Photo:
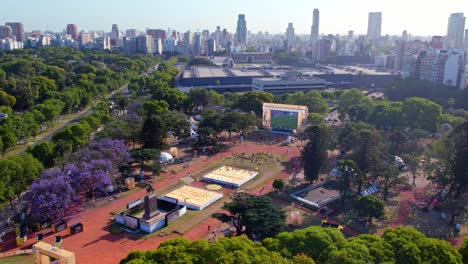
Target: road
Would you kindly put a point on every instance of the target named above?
(48, 135)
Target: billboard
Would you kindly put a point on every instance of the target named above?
(284, 119)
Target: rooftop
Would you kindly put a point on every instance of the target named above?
(296, 107)
(193, 196)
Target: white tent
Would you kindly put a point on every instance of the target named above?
(166, 157)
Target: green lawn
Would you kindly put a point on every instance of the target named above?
(284, 121)
(23, 259)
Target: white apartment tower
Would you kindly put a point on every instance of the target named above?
(314, 34)
(374, 26)
(290, 33)
(455, 31)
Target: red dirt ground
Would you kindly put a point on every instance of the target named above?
(97, 245)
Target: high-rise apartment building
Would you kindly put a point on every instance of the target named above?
(115, 33)
(102, 43)
(131, 33)
(441, 67)
(5, 32)
(455, 31)
(466, 43)
(17, 30)
(374, 26)
(157, 33)
(290, 37)
(314, 33)
(197, 44)
(84, 39)
(72, 30)
(241, 32)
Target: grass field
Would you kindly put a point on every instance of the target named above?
(23, 259)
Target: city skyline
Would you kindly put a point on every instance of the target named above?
(261, 15)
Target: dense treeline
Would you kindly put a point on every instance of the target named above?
(311, 245)
(37, 86)
(443, 95)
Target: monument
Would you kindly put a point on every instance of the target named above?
(151, 206)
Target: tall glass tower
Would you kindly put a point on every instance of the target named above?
(241, 33)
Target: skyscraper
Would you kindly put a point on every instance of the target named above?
(72, 30)
(290, 33)
(466, 42)
(241, 33)
(314, 34)
(17, 30)
(5, 32)
(115, 33)
(374, 26)
(455, 31)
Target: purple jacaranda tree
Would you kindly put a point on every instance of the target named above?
(113, 150)
(52, 196)
(93, 177)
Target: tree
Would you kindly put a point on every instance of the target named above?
(422, 113)
(212, 119)
(225, 250)
(391, 178)
(412, 163)
(6, 99)
(314, 154)
(371, 207)
(457, 146)
(253, 102)
(52, 195)
(29, 169)
(315, 119)
(346, 172)
(177, 123)
(121, 101)
(93, 177)
(153, 133)
(369, 154)
(143, 155)
(155, 107)
(254, 213)
(45, 152)
(278, 184)
(200, 97)
(463, 250)
(353, 104)
(8, 139)
(77, 135)
(113, 150)
(10, 170)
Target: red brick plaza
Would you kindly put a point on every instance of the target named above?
(97, 245)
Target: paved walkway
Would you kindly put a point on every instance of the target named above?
(97, 245)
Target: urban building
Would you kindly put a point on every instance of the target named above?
(441, 67)
(6, 32)
(251, 57)
(374, 26)
(350, 35)
(17, 30)
(314, 32)
(84, 39)
(323, 49)
(241, 32)
(466, 43)
(210, 47)
(455, 31)
(289, 84)
(157, 33)
(102, 43)
(157, 46)
(290, 37)
(115, 33)
(197, 45)
(437, 42)
(144, 44)
(188, 37)
(131, 33)
(10, 44)
(72, 30)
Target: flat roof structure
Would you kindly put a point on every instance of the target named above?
(230, 176)
(193, 197)
(286, 106)
(318, 195)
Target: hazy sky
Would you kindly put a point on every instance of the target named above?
(419, 17)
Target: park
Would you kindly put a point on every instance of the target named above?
(161, 166)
